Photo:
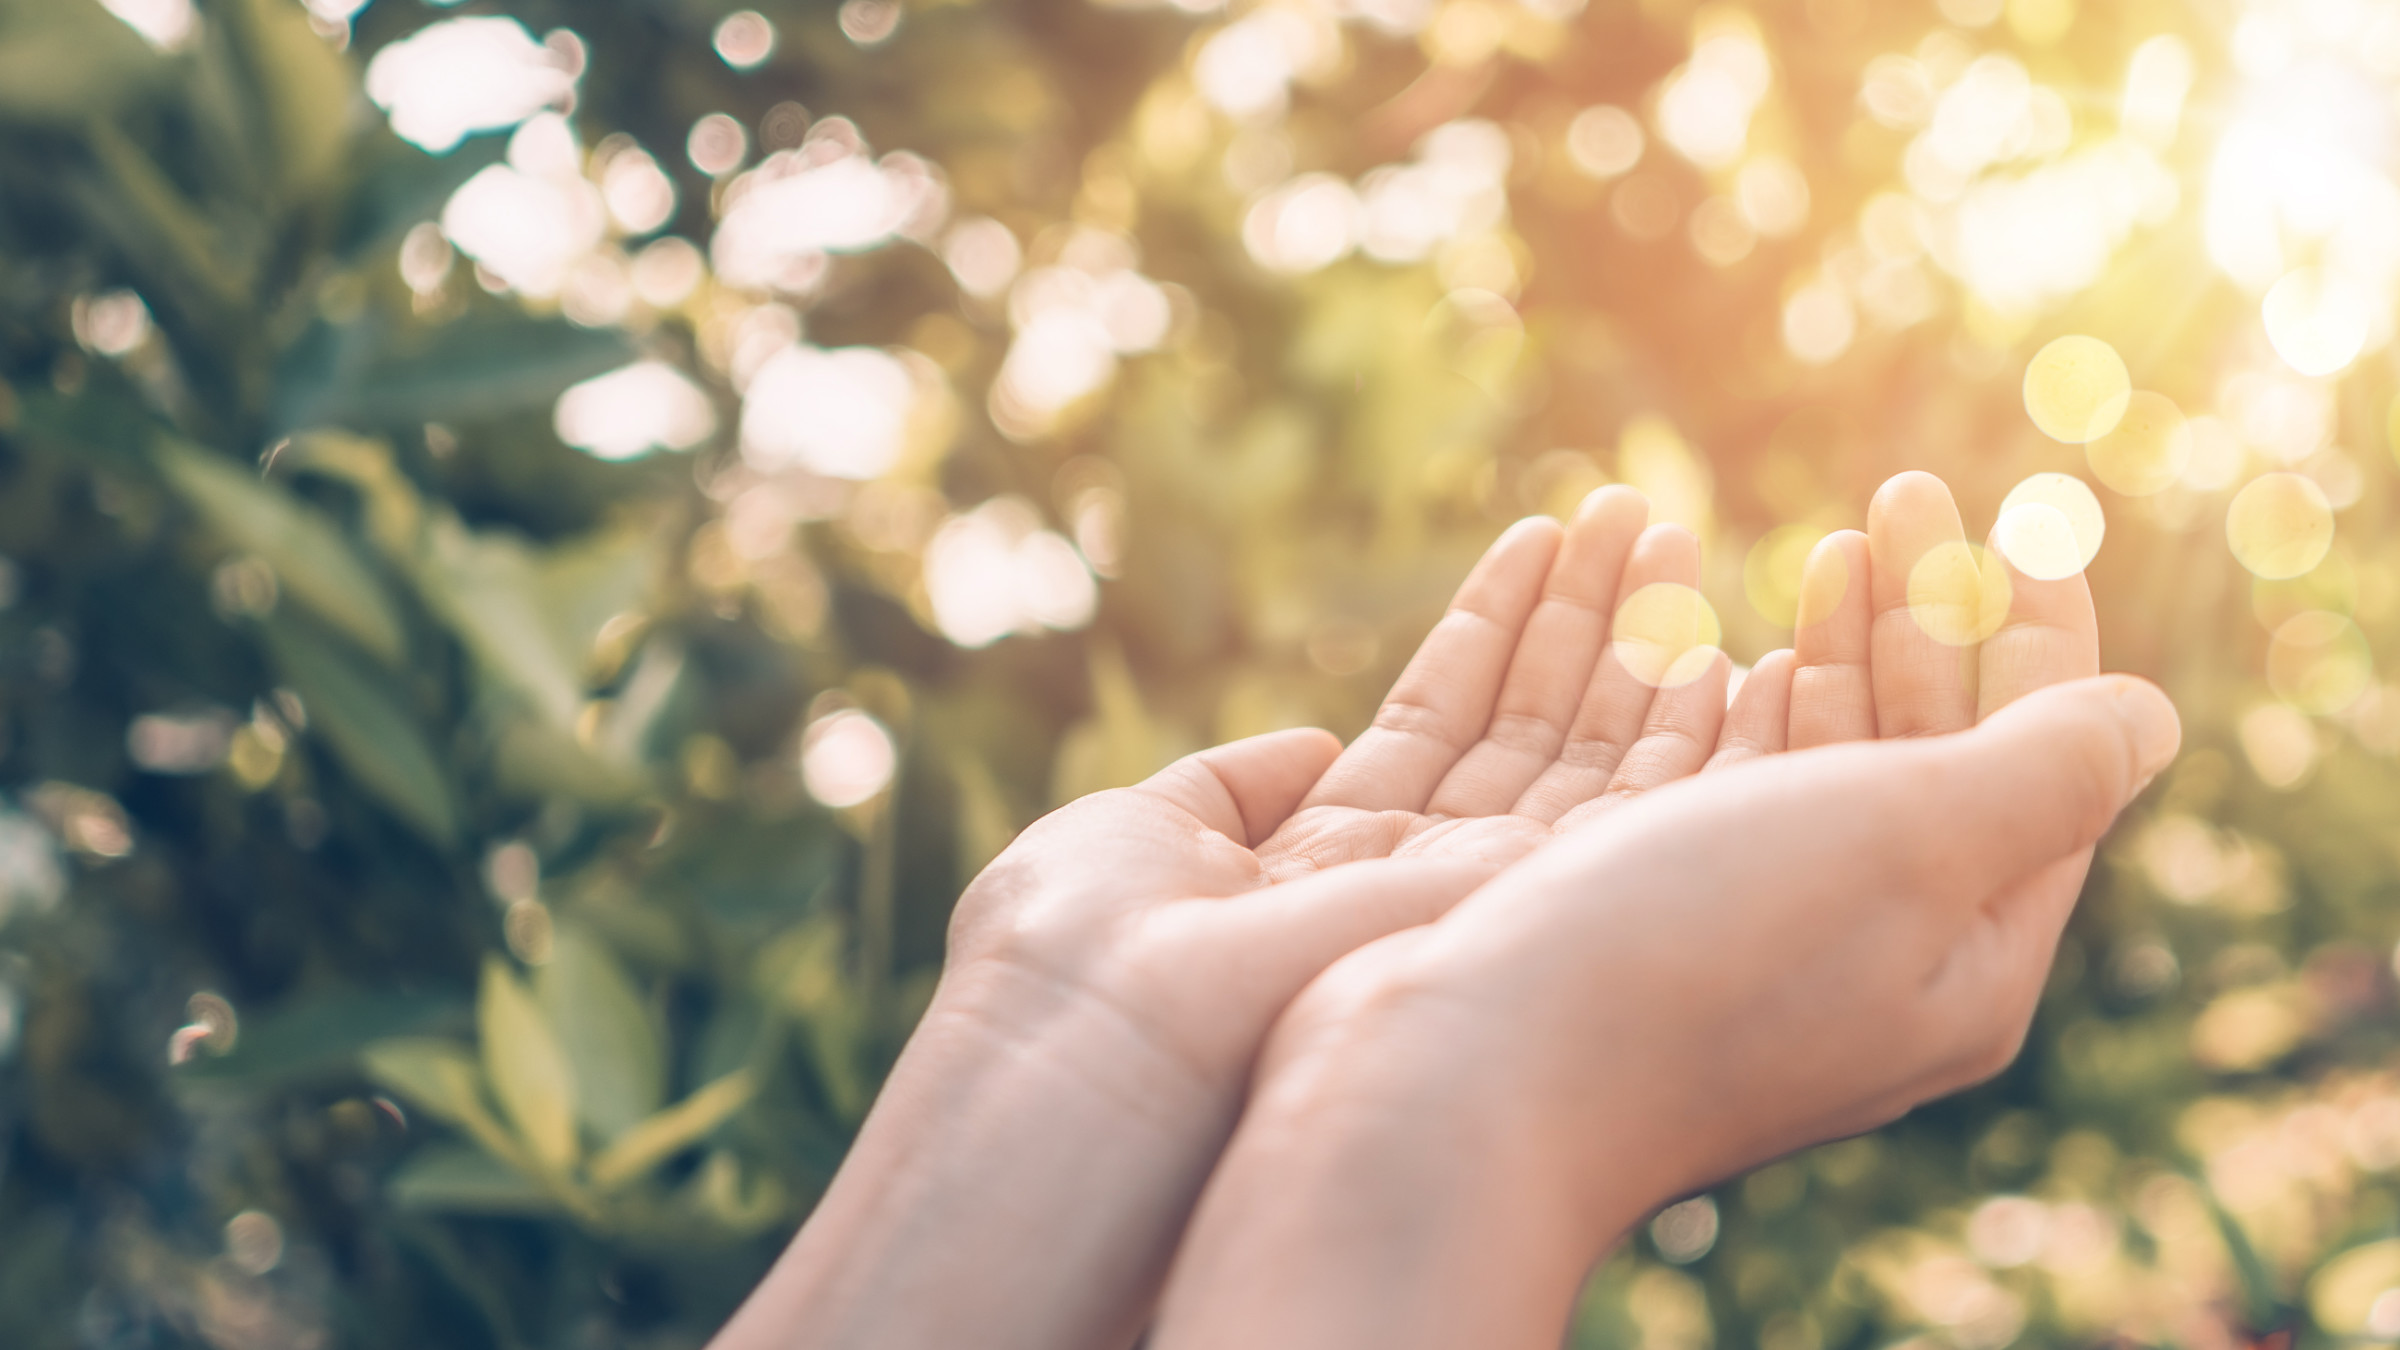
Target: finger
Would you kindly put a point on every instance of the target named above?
(2051, 634)
(2039, 780)
(1281, 937)
(1615, 703)
(1553, 661)
(1757, 722)
(1246, 788)
(1947, 822)
(1443, 701)
(1677, 738)
(1833, 688)
(1923, 686)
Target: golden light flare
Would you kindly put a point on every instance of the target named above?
(1959, 593)
(2319, 662)
(2318, 320)
(2050, 526)
(2280, 525)
(2147, 451)
(1774, 573)
(2077, 389)
(1666, 634)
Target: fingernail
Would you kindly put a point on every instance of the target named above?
(2151, 725)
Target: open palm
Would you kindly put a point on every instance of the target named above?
(1517, 719)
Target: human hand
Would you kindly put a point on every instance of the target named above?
(1518, 718)
(1112, 974)
(1032, 1156)
(1611, 1024)
(1452, 1124)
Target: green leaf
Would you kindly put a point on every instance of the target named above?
(305, 90)
(62, 62)
(316, 1033)
(608, 1038)
(368, 728)
(530, 615)
(671, 1131)
(399, 186)
(440, 1079)
(379, 372)
(527, 1069)
(158, 230)
(313, 563)
(448, 1177)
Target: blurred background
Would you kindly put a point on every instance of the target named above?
(540, 543)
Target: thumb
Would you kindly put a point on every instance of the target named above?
(1292, 931)
(1246, 788)
(2047, 775)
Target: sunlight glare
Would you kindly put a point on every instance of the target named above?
(2156, 81)
(2050, 526)
(164, 24)
(846, 757)
(843, 413)
(647, 406)
(461, 76)
(1666, 635)
(2318, 320)
(1704, 109)
(2319, 662)
(2077, 389)
(2280, 525)
(1958, 594)
(994, 571)
(2147, 451)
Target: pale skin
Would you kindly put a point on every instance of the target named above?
(1453, 1123)
(1029, 1168)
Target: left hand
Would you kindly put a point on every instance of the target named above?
(1113, 972)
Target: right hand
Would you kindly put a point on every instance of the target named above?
(1451, 1123)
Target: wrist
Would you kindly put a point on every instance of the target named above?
(1393, 1182)
(1031, 1158)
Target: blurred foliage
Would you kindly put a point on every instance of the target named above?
(420, 920)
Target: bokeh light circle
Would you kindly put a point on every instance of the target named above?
(2148, 449)
(1959, 594)
(846, 757)
(2319, 662)
(2280, 525)
(1666, 634)
(2076, 389)
(2050, 526)
(1773, 571)
(2317, 319)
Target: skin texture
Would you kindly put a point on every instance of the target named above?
(1025, 1174)
(1452, 1123)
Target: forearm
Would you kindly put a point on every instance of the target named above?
(1367, 1201)
(1001, 1192)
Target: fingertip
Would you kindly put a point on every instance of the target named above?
(1667, 549)
(1528, 528)
(1912, 512)
(1826, 576)
(2152, 726)
(2071, 723)
(1775, 666)
(1319, 742)
(1616, 503)
(1905, 491)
